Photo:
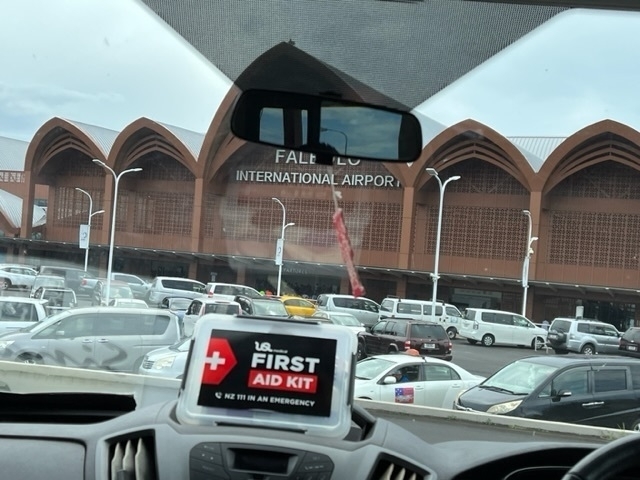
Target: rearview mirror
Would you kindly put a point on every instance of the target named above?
(327, 127)
(389, 380)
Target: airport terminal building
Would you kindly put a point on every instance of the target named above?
(202, 206)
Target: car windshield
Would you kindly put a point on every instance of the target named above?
(270, 308)
(125, 147)
(521, 377)
(372, 367)
(223, 308)
(347, 320)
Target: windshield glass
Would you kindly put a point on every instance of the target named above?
(118, 157)
(372, 367)
(520, 377)
(347, 320)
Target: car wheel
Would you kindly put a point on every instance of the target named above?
(472, 342)
(5, 283)
(393, 349)
(540, 343)
(588, 349)
(451, 332)
(360, 352)
(488, 340)
(636, 426)
(560, 352)
(31, 359)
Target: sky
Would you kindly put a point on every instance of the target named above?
(100, 62)
(578, 68)
(110, 62)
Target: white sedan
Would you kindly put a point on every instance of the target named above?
(404, 378)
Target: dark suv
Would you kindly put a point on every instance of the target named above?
(630, 343)
(398, 335)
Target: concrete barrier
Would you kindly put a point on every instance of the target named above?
(147, 390)
(480, 418)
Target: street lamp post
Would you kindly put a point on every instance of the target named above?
(280, 247)
(113, 218)
(525, 264)
(91, 214)
(434, 173)
(324, 129)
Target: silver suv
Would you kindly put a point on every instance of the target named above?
(163, 287)
(583, 335)
(365, 310)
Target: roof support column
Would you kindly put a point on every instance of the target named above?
(535, 207)
(27, 206)
(197, 217)
(406, 228)
(107, 205)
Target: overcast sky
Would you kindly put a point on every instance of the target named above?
(99, 62)
(110, 62)
(578, 68)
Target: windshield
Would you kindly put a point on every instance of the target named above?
(372, 367)
(523, 199)
(269, 308)
(520, 377)
(347, 320)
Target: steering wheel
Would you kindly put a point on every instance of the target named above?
(607, 461)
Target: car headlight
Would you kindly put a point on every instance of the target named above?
(164, 362)
(5, 343)
(506, 407)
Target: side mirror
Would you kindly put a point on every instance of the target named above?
(557, 395)
(389, 380)
(59, 333)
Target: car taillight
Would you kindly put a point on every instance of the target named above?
(407, 344)
(84, 281)
(475, 325)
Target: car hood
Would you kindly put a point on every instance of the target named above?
(481, 399)
(15, 336)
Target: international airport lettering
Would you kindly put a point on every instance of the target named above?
(315, 178)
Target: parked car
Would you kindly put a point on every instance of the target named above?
(583, 335)
(416, 380)
(365, 310)
(298, 306)
(163, 287)
(630, 343)
(16, 276)
(398, 335)
(168, 362)
(592, 390)
(58, 298)
(262, 306)
(341, 318)
(229, 291)
(117, 290)
(43, 280)
(199, 307)
(72, 275)
(87, 285)
(446, 314)
(20, 312)
(177, 305)
(93, 337)
(128, 302)
(492, 327)
(138, 286)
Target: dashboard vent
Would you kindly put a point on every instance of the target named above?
(390, 468)
(132, 458)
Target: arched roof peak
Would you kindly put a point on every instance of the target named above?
(468, 139)
(59, 133)
(140, 137)
(571, 155)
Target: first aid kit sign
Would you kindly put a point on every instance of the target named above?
(247, 370)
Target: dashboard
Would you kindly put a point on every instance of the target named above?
(150, 443)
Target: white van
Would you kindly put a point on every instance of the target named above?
(446, 314)
(498, 327)
(20, 312)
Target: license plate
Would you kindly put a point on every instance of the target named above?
(632, 348)
(553, 335)
(428, 346)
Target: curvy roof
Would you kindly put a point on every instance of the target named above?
(536, 149)
(192, 140)
(11, 207)
(234, 33)
(102, 137)
(12, 154)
